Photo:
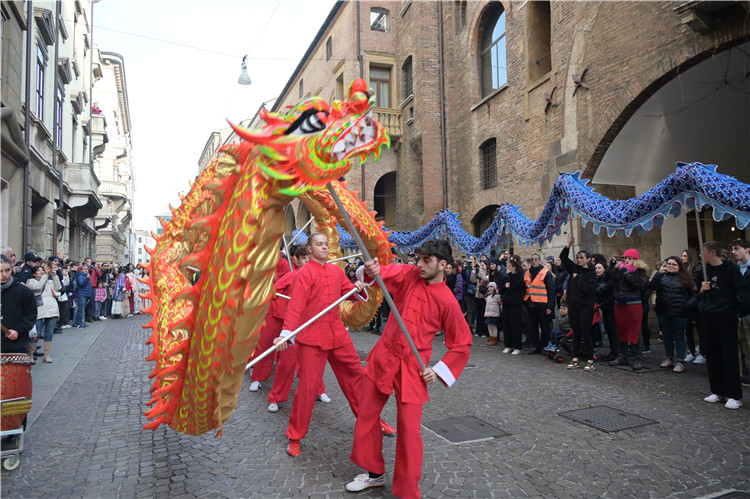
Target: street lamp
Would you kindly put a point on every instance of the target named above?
(244, 78)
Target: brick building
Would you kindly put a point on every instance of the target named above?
(484, 106)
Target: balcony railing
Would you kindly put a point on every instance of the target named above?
(391, 119)
(81, 178)
(113, 189)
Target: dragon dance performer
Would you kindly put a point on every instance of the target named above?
(428, 306)
(315, 286)
(287, 361)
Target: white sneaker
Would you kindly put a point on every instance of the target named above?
(689, 357)
(679, 367)
(273, 407)
(666, 363)
(699, 359)
(363, 481)
(713, 398)
(733, 404)
(323, 397)
(102, 318)
(516, 352)
(66, 326)
(507, 350)
(254, 386)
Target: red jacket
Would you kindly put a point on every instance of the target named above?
(314, 287)
(426, 309)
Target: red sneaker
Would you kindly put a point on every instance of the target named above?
(387, 429)
(293, 449)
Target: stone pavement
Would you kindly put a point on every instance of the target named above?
(88, 441)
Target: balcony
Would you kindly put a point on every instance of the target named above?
(84, 186)
(391, 119)
(113, 189)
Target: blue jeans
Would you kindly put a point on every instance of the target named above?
(97, 309)
(45, 328)
(81, 303)
(673, 329)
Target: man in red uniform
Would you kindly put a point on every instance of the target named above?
(315, 286)
(286, 363)
(428, 305)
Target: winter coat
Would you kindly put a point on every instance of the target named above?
(582, 283)
(515, 293)
(84, 285)
(48, 289)
(727, 285)
(605, 292)
(673, 298)
(628, 285)
(18, 309)
(480, 279)
(492, 309)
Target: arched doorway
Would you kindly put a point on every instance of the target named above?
(482, 221)
(290, 226)
(303, 216)
(384, 196)
(701, 114)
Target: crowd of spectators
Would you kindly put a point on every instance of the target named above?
(596, 302)
(70, 294)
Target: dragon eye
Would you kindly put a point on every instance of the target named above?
(310, 122)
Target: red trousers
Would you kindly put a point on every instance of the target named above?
(367, 450)
(262, 370)
(312, 363)
(286, 367)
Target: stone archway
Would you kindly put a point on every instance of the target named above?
(698, 114)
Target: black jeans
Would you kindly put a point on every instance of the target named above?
(481, 329)
(720, 346)
(538, 319)
(580, 320)
(512, 326)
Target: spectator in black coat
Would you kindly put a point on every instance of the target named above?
(32, 262)
(581, 296)
(676, 296)
(18, 309)
(719, 306)
(605, 297)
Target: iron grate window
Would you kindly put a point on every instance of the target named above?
(489, 163)
(408, 78)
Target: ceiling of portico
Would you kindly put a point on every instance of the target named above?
(702, 115)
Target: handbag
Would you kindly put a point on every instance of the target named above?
(39, 300)
(483, 290)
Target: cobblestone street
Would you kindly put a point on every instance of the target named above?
(88, 440)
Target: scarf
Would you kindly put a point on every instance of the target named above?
(7, 284)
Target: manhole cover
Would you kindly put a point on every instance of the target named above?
(606, 418)
(464, 429)
(734, 494)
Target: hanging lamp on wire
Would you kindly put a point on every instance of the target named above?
(244, 78)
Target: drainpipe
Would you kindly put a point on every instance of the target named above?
(363, 195)
(54, 135)
(443, 137)
(27, 132)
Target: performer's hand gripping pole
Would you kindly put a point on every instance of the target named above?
(379, 279)
(303, 326)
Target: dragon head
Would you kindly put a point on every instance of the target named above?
(311, 145)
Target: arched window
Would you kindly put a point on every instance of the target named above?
(488, 154)
(385, 199)
(493, 51)
(539, 33)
